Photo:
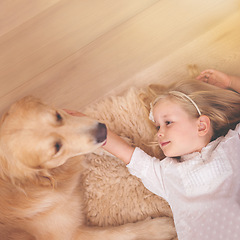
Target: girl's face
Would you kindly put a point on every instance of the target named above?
(178, 131)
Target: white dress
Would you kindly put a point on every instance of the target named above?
(203, 191)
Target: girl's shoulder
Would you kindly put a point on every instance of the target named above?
(230, 142)
(231, 139)
(233, 132)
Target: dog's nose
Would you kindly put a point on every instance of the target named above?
(101, 133)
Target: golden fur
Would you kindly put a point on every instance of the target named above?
(45, 191)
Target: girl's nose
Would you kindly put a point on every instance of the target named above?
(160, 133)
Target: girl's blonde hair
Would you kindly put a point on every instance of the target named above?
(220, 105)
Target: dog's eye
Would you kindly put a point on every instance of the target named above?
(57, 146)
(59, 117)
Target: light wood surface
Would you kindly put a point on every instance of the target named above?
(73, 52)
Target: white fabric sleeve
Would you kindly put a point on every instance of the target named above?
(149, 170)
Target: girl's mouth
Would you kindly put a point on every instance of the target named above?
(163, 144)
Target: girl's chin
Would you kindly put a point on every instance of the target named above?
(171, 154)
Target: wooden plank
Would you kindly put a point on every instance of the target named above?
(133, 55)
(218, 48)
(15, 12)
(57, 33)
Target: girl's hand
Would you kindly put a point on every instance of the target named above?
(215, 78)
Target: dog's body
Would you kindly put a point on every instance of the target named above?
(40, 170)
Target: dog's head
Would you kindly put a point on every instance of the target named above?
(36, 136)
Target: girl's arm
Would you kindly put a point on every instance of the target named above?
(220, 79)
(118, 147)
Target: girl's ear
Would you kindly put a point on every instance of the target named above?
(204, 125)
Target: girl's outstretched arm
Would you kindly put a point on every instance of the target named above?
(220, 79)
(118, 147)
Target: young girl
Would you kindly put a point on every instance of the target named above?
(200, 176)
(199, 133)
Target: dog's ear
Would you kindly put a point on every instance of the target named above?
(25, 103)
(28, 100)
(25, 100)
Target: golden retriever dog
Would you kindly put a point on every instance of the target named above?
(40, 178)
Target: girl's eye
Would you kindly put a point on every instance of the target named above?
(168, 122)
(157, 127)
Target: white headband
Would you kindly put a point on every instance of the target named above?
(175, 93)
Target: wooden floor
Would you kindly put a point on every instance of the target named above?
(72, 52)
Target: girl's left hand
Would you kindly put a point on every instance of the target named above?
(215, 78)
